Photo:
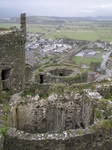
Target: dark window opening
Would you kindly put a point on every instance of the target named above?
(17, 121)
(5, 74)
(82, 125)
(100, 135)
(16, 111)
(106, 117)
(61, 74)
(41, 79)
(76, 126)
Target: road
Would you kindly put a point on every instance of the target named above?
(105, 58)
(74, 52)
(103, 63)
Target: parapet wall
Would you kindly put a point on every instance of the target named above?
(60, 74)
(18, 140)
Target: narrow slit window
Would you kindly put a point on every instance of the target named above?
(41, 79)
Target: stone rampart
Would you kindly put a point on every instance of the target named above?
(18, 140)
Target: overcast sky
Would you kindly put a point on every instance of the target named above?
(69, 8)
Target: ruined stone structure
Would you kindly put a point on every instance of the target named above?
(57, 109)
(57, 113)
(62, 121)
(18, 140)
(66, 73)
(12, 57)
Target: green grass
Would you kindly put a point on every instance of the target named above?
(39, 28)
(81, 60)
(80, 132)
(3, 130)
(25, 93)
(77, 30)
(104, 124)
(36, 29)
(8, 25)
(89, 36)
(48, 58)
(80, 35)
(98, 115)
(84, 30)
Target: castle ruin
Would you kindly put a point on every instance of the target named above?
(57, 109)
(12, 57)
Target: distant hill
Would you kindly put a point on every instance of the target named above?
(50, 20)
(35, 19)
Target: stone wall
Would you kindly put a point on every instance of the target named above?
(18, 140)
(28, 74)
(12, 60)
(63, 74)
(23, 24)
(54, 114)
(1, 141)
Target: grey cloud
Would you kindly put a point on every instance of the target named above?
(57, 7)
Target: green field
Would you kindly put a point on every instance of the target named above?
(87, 61)
(89, 30)
(84, 30)
(8, 25)
(40, 29)
(34, 28)
(89, 36)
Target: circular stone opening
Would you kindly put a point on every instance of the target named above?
(61, 72)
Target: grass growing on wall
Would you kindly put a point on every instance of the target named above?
(25, 93)
(4, 128)
(104, 124)
(98, 115)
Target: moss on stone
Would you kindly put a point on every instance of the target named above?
(79, 146)
(98, 115)
(4, 97)
(59, 89)
(6, 108)
(105, 92)
(4, 128)
(25, 93)
(46, 141)
(93, 87)
(87, 99)
(104, 124)
(80, 132)
(102, 104)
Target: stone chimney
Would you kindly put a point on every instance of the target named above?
(23, 24)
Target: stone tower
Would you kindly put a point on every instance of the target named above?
(23, 23)
(12, 57)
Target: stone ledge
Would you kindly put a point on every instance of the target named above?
(16, 140)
